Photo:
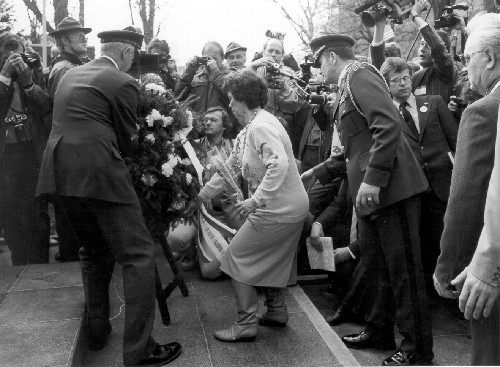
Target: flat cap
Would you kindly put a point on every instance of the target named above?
(128, 35)
(69, 24)
(333, 40)
(233, 46)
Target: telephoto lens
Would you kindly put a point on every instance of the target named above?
(320, 99)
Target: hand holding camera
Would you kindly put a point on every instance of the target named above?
(263, 61)
(14, 65)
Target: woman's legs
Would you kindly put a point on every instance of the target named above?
(246, 327)
(276, 314)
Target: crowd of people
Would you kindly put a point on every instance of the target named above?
(396, 163)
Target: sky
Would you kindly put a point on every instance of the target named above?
(187, 24)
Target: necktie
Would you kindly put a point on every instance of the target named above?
(407, 116)
(354, 227)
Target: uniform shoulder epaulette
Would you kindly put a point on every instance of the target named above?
(354, 67)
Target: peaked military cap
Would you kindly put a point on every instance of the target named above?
(233, 46)
(69, 24)
(129, 35)
(319, 44)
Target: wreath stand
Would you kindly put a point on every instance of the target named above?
(162, 293)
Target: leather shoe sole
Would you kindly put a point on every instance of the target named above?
(163, 354)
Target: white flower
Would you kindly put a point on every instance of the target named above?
(167, 170)
(167, 120)
(150, 138)
(155, 88)
(148, 179)
(189, 127)
(172, 160)
(186, 162)
(153, 116)
(189, 178)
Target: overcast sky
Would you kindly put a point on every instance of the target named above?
(186, 24)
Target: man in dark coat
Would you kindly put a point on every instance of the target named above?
(94, 126)
(385, 179)
(474, 161)
(431, 130)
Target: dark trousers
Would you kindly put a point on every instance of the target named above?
(391, 249)
(69, 245)
(486, 338)
(431, 229)
(311, 157)
(109, 231)
(25, 218)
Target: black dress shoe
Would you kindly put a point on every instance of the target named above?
(369, 340)
(340, 316)
(163, 354)
(97, 343)
(402, 358)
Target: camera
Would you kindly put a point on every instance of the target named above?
(305, 68)
(272, 74)
(448, 18)
(32, 60)
(164, 58)
(20, 126)
(397, 10)
(145, 63)
(320, 99)
(202, 60)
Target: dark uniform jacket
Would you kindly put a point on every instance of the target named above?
(37, 105)
(94, 124)
(375, 150)
(474, 161)
(437, 137)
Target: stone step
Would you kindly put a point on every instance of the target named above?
(41, 311)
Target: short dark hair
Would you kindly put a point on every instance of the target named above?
(226, 121)
(159, 44)
(248, 87)
(396, 65)
(343, 52)
(9, 42)
(215, 44)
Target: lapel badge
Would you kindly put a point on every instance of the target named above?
(423, 109)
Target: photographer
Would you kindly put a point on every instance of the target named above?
(23, 136)
(168, 72)
(437, 76)
(282, 98)
(204, 77)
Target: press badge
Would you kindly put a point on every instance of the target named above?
(420, 91)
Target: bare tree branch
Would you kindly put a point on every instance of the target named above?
(33, 7)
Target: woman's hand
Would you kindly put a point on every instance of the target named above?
(264, 61)
(192, 207)
(246, 207)
(11, 65)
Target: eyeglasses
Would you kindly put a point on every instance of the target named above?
(468, 57)
(397, 80)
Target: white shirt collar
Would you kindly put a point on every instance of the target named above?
(342, 74)
(495, 87)
(110, 59)
(412, 101)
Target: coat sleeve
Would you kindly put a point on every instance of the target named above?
(330, 169)
(448, 123)
(442, 58)
(463, 220)
(336, 209)
(378, 55)
(124, 116)
(373, 98)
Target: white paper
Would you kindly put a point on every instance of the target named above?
(321, 260)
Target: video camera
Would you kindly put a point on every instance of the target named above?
(305, 68)
(448, 18)
(32, 60)
(397, 10)
(320, 95)
(145, 63)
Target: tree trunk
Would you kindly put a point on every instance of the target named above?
(60, 10)
(147, 14)
(82, 13)
(33, 7)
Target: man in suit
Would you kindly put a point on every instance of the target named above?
(479, 294)
(385, 179)
(94, 126)
(474, 160)
(431, 130)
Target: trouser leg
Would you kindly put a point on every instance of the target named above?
(276, 308)
(486, 338)
(69, 245)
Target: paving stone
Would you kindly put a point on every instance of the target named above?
(38, 343)
(298, 344)
(50, 276)
(8, 276)
(2, 297)
(25, 307)
(452, 350)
